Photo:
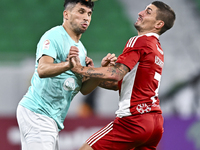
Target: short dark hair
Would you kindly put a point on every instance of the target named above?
(87, 3)
(166, 14)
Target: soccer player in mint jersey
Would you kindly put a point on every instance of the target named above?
(139, 123)
(42, 110)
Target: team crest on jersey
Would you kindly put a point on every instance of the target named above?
(46, 44)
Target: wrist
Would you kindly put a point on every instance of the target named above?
(67, 65)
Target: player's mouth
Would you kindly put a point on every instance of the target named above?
(139, 18)
(85, 25)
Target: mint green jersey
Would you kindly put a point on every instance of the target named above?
(52, 96)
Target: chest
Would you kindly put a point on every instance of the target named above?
(64, 48)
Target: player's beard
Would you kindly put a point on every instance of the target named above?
(138, 28)
(77, 29)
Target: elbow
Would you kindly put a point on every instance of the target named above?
(41, 73)
(85, 92)
(116, 88)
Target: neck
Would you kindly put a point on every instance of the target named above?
(146, 32)
(72, 34)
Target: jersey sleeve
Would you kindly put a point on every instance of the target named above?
(135, 49)
(47, 46)
(129, 57)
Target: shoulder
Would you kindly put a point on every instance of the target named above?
(54, 32)
(53, 35)
(143, 43)
(137, 41)
(143, 40)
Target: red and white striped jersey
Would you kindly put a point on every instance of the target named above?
(138, 90)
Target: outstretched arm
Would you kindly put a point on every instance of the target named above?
(113, 73)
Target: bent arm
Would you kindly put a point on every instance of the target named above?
(113, 73)
(47, 67)
(89, 85)
(109, 85)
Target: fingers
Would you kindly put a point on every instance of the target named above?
(107, 56)
(74, 49)
(113, 58)
(89, 62)
(109, 59)
(73, 60)
(73, 52)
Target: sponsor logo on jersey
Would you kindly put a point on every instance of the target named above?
(69, 84)
(159, 62)
(142, 108)
(46, 44)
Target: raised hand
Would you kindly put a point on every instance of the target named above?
(89, 62)
(109, 60)
(73, 53)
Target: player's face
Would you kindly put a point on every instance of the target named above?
(79, 18)
(147, 19)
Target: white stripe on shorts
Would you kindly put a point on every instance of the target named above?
(100, 134)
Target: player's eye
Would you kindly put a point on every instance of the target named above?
(148, 12)
(81, 11)
(90, 13)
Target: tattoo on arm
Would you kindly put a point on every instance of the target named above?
(90, 73)
(119, 70)
(111, 85)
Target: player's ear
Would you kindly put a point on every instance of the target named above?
(66, 14)
(159, 24)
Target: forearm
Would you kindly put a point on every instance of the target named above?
(110, 85)
(52, 69)
(105, 73)
(89, 85)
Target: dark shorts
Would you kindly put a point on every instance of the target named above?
(139, 132)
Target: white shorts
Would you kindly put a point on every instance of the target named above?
(38, 132)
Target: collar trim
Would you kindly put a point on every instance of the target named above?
(153, 34)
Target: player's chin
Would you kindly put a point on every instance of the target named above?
(83, 30)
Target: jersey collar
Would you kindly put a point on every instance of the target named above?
(153, 34)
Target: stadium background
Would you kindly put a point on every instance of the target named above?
(23, 23)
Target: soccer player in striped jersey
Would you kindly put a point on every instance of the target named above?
(139, 123)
